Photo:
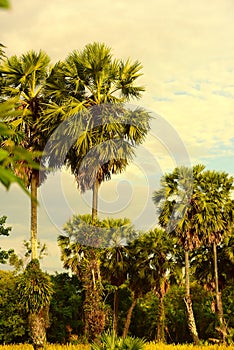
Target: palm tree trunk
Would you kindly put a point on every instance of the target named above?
(38, 323)
(94, 313)
(34, 185)
(160, 335)
(115, 313)
(219, 305)
(95, 200)
(129, 316)
(188, 302)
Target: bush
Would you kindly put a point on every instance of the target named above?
(109, 341)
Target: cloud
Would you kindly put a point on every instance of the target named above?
(186, 49)
(162, 99)
(182, 93)
(223, 93)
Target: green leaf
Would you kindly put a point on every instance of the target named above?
(3, 154)
(4, 4)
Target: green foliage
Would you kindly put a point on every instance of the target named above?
(23, 79)
(19, 263)
(34, 287)
(109, 341)
(4, 231)
(13, 159)
(13, 325)
(4, 4)
(65, 309)
(93, 86)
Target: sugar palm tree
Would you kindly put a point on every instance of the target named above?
(177, 203)
(206, 220)
(114, 265)
(23, 79)
(80, 253)
(137, 282)
(154, 252)
(93, 86)
(216, 220)
(35, 290)
(10, 153)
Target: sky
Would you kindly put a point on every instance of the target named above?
(187, 51)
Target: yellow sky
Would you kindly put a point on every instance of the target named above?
(187, 50)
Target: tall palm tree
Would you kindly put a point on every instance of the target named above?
(177, 204)
(206, 220)
(94, 85)
(24, 78)
(215, 218)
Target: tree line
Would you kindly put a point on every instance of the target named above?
(141, 290)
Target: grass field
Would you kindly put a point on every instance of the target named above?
(148, 346)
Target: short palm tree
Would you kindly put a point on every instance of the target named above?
(35, 290)
(114, 266)
(80, 253)
(154, 252)
(139, 279)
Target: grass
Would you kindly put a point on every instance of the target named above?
(148, 346)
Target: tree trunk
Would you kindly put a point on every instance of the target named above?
(95, 200)
(94, 313)
(219, 306)
(34, 185)
(188, 302)
(160, 334)
(115, 313)
(38, 323)
(129, 316)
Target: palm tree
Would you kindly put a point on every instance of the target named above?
(35, 290)
(10, 153)
(154, 260)
(206, 220)
(24, 79)
(216, 220)
(114, 266)
(137, 282)
(177, 203)
(80, 253)
(94, 85)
